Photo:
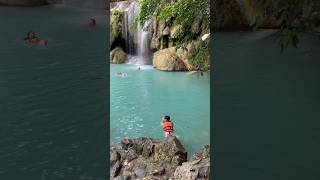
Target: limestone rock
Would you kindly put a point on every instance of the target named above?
(153, 159)
(114, 157)
(118, 56)
(161, 28)
(191, 49)
(195, 27)
(115, 169)
(166, 31)
(170, 151)
(117, 30)
(175, 31)
(155, 43)
(197, 168)
(168, 60)
(204, 153)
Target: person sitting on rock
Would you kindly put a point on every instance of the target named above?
(167, 126)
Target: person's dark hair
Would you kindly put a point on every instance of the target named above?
(93, 21)
(167, 118)
(27, 38)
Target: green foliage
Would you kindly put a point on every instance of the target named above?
(294, 16)
(201, 59)
(182, 12)
(183, 38)
(148, 8)
(179, 13)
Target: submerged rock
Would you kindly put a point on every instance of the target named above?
(168, 60)
(118, 56)
(153, 159)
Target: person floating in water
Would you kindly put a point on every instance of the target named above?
(167, 126)
(139, 68)
(32, 38)
(92, 22)
(121, 74)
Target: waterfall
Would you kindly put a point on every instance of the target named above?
(144, 43)
(137, 38)
(132, 13)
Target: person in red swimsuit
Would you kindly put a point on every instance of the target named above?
(167, 126)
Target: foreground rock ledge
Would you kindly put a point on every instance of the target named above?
(147, 158)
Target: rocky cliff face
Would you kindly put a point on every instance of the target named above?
(163, 35)
(235, 14)
(117, 36)
(146, 158)
(23, 2)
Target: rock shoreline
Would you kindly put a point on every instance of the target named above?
(148, 158)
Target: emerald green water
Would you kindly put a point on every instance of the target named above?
(53, 100)
(139, 100)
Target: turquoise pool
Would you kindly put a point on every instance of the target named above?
(140, 99)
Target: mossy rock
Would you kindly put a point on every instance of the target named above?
(117, 26)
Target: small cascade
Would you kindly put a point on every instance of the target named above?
(132, 13)
(144, 43)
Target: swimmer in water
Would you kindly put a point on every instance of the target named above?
(139, 68)
(92, 22)
(32, 38)
(121, 74)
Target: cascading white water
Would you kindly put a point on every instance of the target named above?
(144, 44)
(137, 40)
(132, 13)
